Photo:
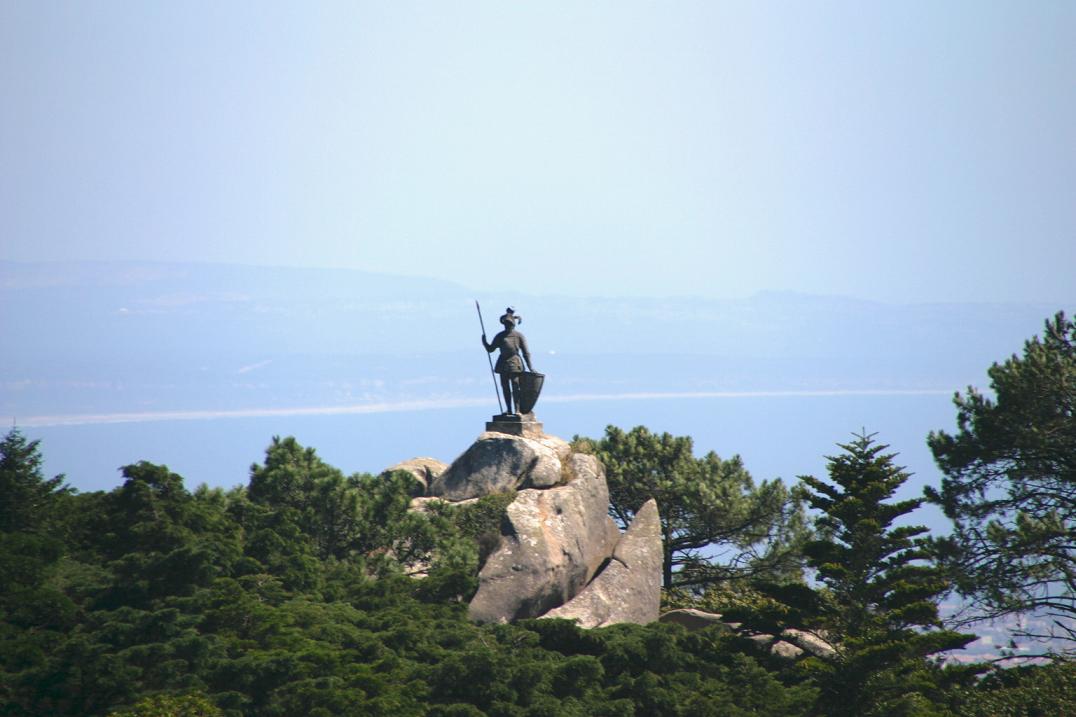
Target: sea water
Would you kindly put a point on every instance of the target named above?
(777, 436)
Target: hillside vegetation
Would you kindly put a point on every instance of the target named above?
(295, 594)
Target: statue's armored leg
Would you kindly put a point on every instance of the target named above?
(515, 394)
(506, 389)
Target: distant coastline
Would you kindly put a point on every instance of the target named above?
(437, 404)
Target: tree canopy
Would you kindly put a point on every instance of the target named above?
(717, 523)
(25, 494)
(876, 597)
(164, 601)
(295, 598)
(1010, 487)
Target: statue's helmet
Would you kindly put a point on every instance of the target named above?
(510, 318)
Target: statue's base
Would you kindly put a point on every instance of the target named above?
(515, 424)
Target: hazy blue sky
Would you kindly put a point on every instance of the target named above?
(906, 150)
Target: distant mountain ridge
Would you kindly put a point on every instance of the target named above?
(91, 336)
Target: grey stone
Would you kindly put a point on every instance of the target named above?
(792, 643)
(694, 619)
(498, 462)
(553, 542)
(425, 470)
(785, 649)
(629, 588)
(422, 504)
(558, 445)
(810, 642)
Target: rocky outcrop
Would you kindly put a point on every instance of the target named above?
(424, 470)
(499, 462)
(555, 535)
(790, 644)
(553, 542)
(628, 589)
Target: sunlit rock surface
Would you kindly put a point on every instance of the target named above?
(628, 589)
(554, 540)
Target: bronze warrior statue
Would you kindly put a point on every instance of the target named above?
(513, 348)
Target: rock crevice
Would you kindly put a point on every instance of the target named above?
(628, 589)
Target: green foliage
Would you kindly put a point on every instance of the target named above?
(877, 597)
(159, 540)
(717, 523)
(303, 490)
(33, 613)
(192, 705)
(665, 670)
(293, 596)
(1010, 486)
(480, 522)
(1027, 691)
(735, 600)
(26, 496)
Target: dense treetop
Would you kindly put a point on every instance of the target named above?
(1010, 486)
(717, 523)
(298, 593)
(290, 596)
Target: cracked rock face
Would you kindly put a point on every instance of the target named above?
(498, 462)
(554, 540)
(629, 588)
(556, 536)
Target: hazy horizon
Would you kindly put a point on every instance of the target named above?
(891, 187)
(1061, 303)
(885, 152)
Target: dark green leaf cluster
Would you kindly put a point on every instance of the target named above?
(311, 592)
(717, 523)
(292, 597)
(876, 599)
(26, 496)
(1010, 486)
(1046, 690)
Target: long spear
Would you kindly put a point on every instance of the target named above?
(493, 375)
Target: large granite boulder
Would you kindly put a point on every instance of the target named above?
(424, 470)
(553, 541)
(499, 462)
(629, 588)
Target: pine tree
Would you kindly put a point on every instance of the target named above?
(876, 601)
(25, 494)
(717, 523)
(1010, 489)
(30, 548)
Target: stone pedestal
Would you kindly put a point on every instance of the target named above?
(516, 425)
